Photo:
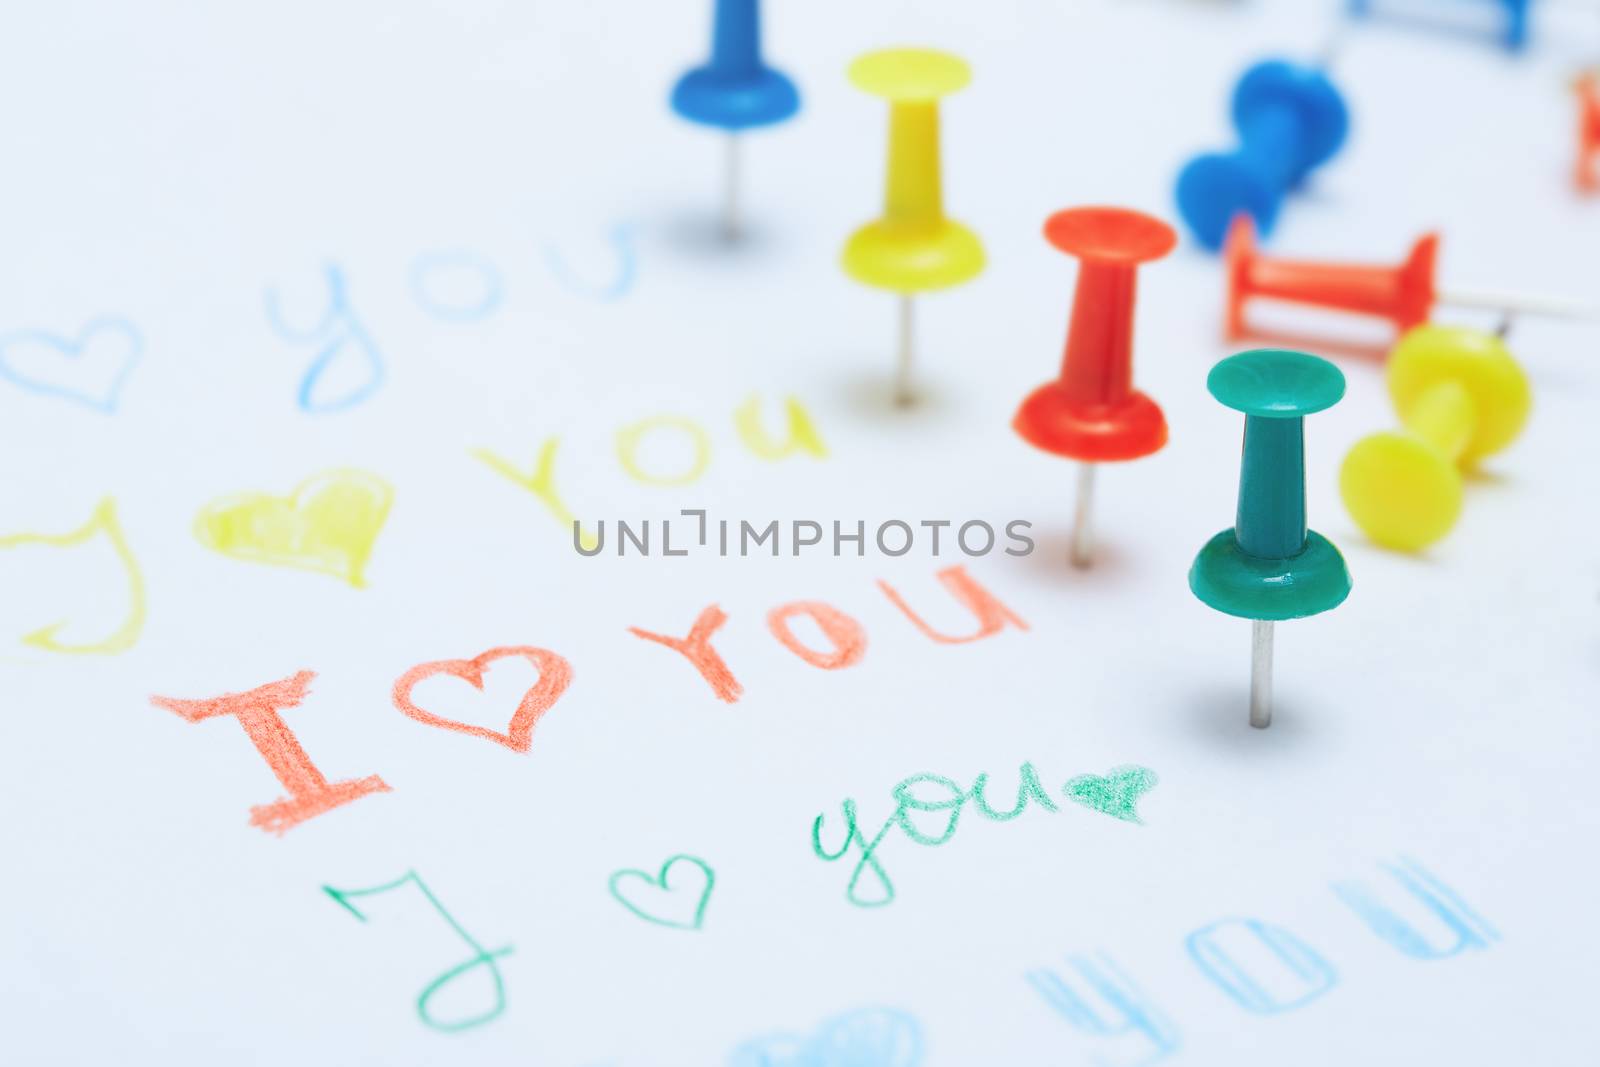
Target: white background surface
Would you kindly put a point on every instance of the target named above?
(171, 163)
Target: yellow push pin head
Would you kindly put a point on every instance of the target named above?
(1461, 397)
(1403, 492)
(910, 73)
(913, 247)
(1480, 361)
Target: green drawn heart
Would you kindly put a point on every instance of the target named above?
(662, 896)
(1117, 794)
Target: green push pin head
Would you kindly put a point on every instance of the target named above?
(1276, 383)
(1269, 566)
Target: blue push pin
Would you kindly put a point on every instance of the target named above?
(1269, 566)
(1513, 35)
(735, 91)
(1290, 119)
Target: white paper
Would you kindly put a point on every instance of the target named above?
(1400, 869)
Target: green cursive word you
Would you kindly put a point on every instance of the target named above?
(1114, 795)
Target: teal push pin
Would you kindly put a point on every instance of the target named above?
(735, 90)
(1269, 566)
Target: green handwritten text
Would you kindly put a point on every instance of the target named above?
(928, 810)
(481, 957)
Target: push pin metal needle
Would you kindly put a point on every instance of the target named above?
(735, 91)
(1332, 46)
(1512, 32)
(731, 228)
(904, 394)
(1261, 673)
(1082, 548)
(1269, 566)
(913, 247)
(1092, 412)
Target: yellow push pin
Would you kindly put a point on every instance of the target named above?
(1460, 397)
(913, 247)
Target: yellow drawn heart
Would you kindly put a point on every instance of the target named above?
(328, 524)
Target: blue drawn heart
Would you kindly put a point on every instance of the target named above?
(89, 369)
(867, 1037)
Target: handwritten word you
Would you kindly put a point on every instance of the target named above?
(800, 437)
(1260, 967)
(846, 638)
(934, 794)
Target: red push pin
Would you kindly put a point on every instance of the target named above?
(1092, 413)
(1587, 172)
(1404, 294)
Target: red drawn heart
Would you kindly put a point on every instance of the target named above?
(555, 674)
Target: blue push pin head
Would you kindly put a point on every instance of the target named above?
(735, 90)
(1290, 120)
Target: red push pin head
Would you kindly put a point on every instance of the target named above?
(1588, 169)
(1403, 294)
(1092, 412)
